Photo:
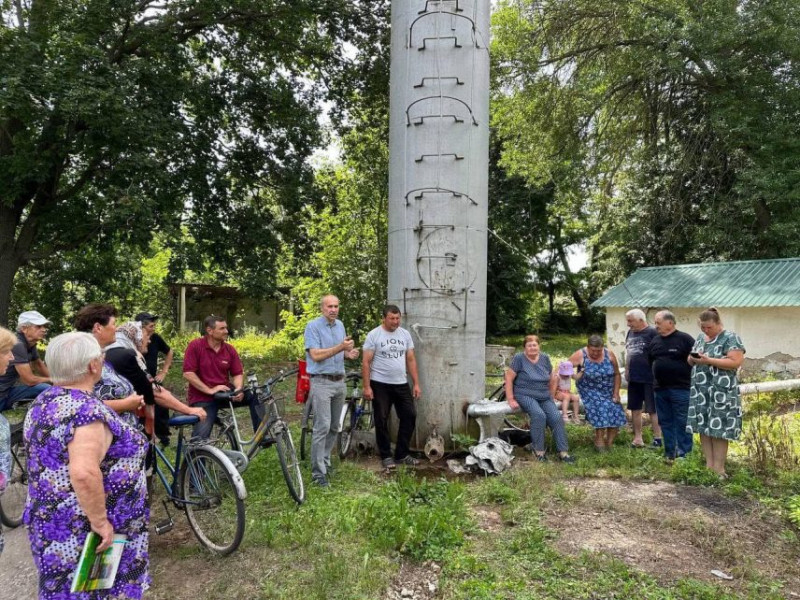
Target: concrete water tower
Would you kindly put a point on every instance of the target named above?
(438, 188)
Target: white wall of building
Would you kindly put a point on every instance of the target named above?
(771, 335)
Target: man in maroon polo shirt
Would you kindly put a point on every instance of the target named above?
(211, 365)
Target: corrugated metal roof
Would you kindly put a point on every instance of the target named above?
(742, 283)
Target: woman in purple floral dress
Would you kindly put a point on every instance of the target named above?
(85, 468)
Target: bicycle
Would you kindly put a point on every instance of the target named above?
(207, 486)
(12, 501)
(356, 415)
(272, 431)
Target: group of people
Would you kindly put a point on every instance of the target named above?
(87, 432)
(88, 456)
(687, 385)
(387, 365)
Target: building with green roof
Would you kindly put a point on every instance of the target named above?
(759, 299)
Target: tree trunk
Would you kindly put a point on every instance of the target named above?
(8, 269)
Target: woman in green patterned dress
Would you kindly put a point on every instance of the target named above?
(715, 408)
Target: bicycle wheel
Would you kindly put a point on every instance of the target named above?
(223, 436)
(214, 511)
(12, 501)
(306, 431)
(288, 459)
(346, 434)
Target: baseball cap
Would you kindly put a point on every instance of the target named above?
(32, 317)
(145, 317)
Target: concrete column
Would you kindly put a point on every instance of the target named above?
(438, 181)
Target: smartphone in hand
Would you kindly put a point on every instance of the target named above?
(695, 355)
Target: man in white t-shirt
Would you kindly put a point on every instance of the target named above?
(388, 362)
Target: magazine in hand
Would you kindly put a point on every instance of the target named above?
(97, 571)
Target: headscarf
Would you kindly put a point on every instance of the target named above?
(129, 336)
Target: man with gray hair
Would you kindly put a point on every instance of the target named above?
(327, 345)
(672, 378)
(639, 376)
(26, 368)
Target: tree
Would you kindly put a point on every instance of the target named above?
(120, 118)
(673, 124)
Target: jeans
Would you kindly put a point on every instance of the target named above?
(387, 395)
(202, 429)
(327, 399)
(544, 413)
(672, 406)
(21, 392)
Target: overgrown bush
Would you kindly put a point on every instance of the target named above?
(769, 444)
(420, 519)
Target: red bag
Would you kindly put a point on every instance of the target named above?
(303, 383)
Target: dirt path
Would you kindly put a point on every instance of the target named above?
(674, 531)
(16, 567)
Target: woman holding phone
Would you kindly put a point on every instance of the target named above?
(715, 408)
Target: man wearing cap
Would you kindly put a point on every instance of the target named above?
(157, 346)
(27, 375)
(327, 345)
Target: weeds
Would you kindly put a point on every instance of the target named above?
(769, 445)
(420, 519)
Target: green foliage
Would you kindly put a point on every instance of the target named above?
(421, 519)
(769, 443)
(495, 490)
(692, 470)
(793, 504)
(462, 441)
(122, 119)
(667, 130)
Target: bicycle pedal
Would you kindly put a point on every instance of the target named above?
(164, 526)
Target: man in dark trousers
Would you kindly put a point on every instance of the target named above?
(668, 353)
(389, 361)
(157, 347)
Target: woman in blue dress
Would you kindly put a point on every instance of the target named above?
(598, 381)
(530, 384)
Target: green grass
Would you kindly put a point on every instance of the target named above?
(348, 542)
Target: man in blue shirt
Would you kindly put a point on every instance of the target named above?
(327, 345)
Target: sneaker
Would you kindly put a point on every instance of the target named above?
(388, 463)
(657, 443)
(541, 457)
(407, 460)
(569, 459)
(321, 482)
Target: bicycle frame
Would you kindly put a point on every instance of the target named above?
(172, 491)
(251, 447)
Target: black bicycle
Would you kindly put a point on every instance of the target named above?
(356, 415)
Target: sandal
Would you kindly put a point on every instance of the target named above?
(638, 446)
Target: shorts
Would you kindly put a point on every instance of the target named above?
(641, 394)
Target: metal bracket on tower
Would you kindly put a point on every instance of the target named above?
(440, 2)
(422, 83)
(419, 120)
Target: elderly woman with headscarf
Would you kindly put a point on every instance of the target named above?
(7, 341)
(715, 408)
(85, 473)
(125, 355)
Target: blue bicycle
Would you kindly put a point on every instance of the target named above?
(207, 486)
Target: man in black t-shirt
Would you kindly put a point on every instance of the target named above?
(672, 378)
(639, 376)
(156, 347)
